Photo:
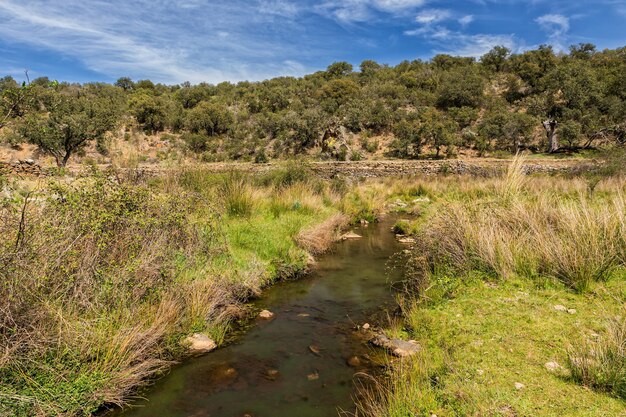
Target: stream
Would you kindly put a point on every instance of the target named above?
(303, 361)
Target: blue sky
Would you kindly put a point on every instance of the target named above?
(216, 40)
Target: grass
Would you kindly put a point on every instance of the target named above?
(493, 258)
(102, 278)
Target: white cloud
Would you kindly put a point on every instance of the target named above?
(554, 23)
(280, 8)
(466, 20)
(162, 40)
(353, 11)
(557, 26)
(430, 16)
(398, 5)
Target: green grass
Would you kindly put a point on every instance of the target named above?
(488, 337)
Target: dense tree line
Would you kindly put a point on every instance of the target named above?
(538, 100)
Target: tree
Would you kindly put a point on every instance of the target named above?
(437, 129)
(496, 58)
(408, 138)
(461, 87)
(149, 111)
(125, 83)
(70, 122)
(508, 130)
(210, 118)
(369, 67)
(339, 69)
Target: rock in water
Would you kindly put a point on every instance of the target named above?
(350, 235)
(315, 350)
(400, 348)
(266, 314)
(200, 343)
(353, 361)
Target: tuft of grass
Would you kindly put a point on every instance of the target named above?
(601, 363)
(318, 238)
(235, 194)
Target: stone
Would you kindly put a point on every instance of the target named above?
(406, 240)
(272, 374)
(552, 366)
(266, 314)
(364, 222)
(366, 326)
(560, 307)
(200, 343)
(480, 372)
(350, 235)
(519, 386)
(313, 376)
(315, 350)
(571, 310)
(304, 315)
(400, 348)
(353, 361)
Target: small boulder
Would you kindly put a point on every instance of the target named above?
(519, 386)
(313, 376)
(365, 326)
(350, 235)
(560, 307)
(406, 240)
(552, 366)
(199, 343)
(266, 314)
(571, 310)
(400, 348)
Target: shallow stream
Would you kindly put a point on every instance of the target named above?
(303, 361)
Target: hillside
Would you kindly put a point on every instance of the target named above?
(447, 107)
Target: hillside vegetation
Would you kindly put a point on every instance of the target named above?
(538, 100)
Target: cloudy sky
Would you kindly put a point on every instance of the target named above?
(215, 40)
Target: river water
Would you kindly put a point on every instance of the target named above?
(303, 361)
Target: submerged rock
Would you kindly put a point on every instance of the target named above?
(400, 348)
(315, 350)
(313, 376)
(353, 361)
(200, 343)
(266, 314)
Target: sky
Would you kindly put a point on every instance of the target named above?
(232, 40)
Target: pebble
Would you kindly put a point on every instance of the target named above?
(519, 385)
(552, 366)
(313, 376)
(560, 307)
(366, 326)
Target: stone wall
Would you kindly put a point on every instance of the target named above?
(23, 167)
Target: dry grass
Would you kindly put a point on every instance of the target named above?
(318, 238)
(532, 227)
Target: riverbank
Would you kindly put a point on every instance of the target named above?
(516, 298)
(104, 276)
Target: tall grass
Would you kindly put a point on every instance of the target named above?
(528, 227)
(234, 192)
